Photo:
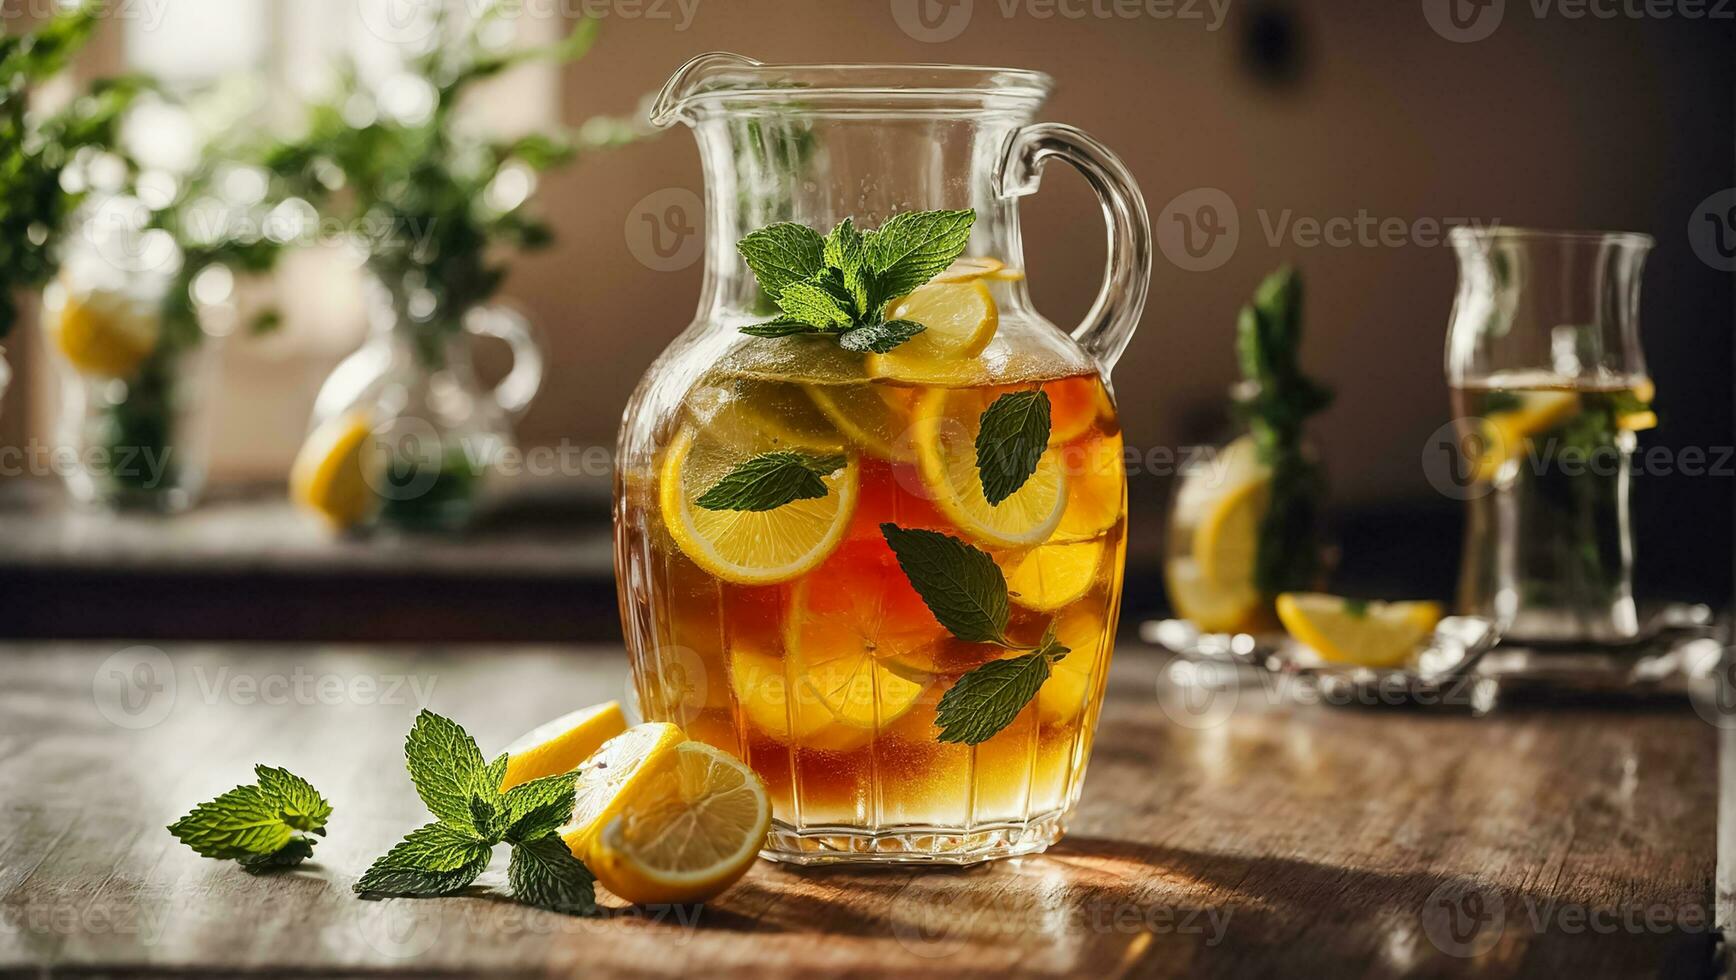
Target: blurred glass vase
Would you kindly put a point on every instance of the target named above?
(403, 435)
(1549, 388)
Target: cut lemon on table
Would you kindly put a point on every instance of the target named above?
(1053, 576)
(686, 832)
(959, 320)
(610, 775)
(1371, 634)
(748, 547)
(330, 476)
(947, 421)
(561, 745)
(106, 333)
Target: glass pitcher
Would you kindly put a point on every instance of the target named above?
(407, 418)
(1549, 390)
(792, 636)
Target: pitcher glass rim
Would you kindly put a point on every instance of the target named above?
(719, 77)
(1465, 235)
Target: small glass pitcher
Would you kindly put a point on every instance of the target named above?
(435, 437)
(798, 644)
(1549, 390)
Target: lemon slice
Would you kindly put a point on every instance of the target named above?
(1372, 634)
(686, 833)
(1226, 545)
(754, 411)
(1063, 696)
(106, 333)
(743, 546)
(1207, 479)
(1053, 576)
(947, 421)
(330, 475)
(611, 773)
(1075, 404)
(875, 417)
(1213, 608)
(800, 719)
(1096, 486)
(959, 318)
(1506, 433)
(560, 745)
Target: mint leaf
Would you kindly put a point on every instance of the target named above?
(445, 766)
(961, 585)
(847, 252)
(1356, 608)
(781, 327)
(436, 859)
(544, 873)
(987, 699)
(299, 804)
(1014, 433)
(813, 303)
(298, 849)
(913, 247)
(878, 338)
(770, 480)
(243, 822)
(488, 820)
(782, 254)
(540, 807)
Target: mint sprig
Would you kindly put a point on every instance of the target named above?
(475, 815)
(1011, 437)
(838, 285)
(770, 480)
(262, 826)
(967, 593)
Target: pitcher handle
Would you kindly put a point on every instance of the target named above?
(1109, 324)
(515, 391)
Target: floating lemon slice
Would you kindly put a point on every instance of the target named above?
(1053, 576)
(754, 411)
(609, 776)
(686, 832)
(561, 745)
(1372, 634)
(1506, 433)
(979, 267)
(1074, 405)
(875, 417)
(959, 318)
(105, 333)
(947, 421)
(762, 690)
(330, 474)
(741, 546)
(1062, 697)
(1096, 486)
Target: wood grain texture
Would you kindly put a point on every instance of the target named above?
(1271, 839)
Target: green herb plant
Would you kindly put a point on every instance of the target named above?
(264, 826)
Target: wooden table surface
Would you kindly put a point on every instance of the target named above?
(1220, 837)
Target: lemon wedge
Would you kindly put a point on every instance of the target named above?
(742, 546)
(960, 318)
(947, 421)
(610, 774)
(106, 333)
(1371, 634)
(685, 832)
(1226, 545)
(561, 745)
(329, 477)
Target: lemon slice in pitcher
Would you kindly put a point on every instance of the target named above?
(959, 320)
(947, 421)
(748, 547)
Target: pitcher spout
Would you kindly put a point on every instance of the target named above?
(699, 74)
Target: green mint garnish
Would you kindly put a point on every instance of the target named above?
(263, 826)
(1013, 434)
(770, 480)
(447, 856)
(838, 285)
(965, 590)
(1356, 608)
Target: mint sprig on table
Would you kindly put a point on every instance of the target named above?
(965, 590)
(446, 856)
(838, 285)
(263, 826)
(770, 480)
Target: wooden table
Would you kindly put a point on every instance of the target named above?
(1255, 839)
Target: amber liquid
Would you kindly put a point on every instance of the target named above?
(827, 683)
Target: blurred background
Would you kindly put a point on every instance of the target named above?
(1387, 122)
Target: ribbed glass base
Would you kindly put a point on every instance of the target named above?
(912, 843)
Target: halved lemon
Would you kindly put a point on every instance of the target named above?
(1213, 608)
(106, 333)
(611, 773)
(561, 745)
(875, 417)
(947, 421)
(1226, 545)
(743, 546)
(329, 477)
(960, 319)
(1053, 576)
(686, 832)
(1372, 634)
